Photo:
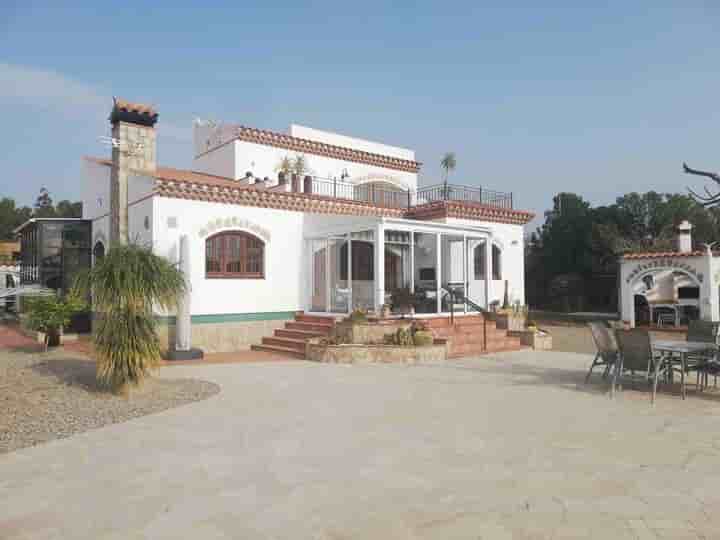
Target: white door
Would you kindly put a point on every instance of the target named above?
(476, 268)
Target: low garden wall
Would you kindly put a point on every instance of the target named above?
(318, 350)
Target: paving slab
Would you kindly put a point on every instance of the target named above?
(503, 446)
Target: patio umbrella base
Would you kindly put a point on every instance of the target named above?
(190, 354)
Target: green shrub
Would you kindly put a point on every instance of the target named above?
(358, 316)
(49, 314)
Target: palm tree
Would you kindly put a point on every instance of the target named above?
(285, 166)
(448, 163)
(300, 166)
(126, 285)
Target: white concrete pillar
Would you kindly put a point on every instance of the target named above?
(438, 270)
(183, 329)
(626, 298)
(488, 270)
(709, 301)
(379, 267)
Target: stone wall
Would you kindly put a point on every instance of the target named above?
(223, 336)
(356, 354)
(369, 332)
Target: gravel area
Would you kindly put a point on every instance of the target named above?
(46, 396)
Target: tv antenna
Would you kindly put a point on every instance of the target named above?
(130, 149)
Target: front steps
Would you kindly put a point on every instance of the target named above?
(290, 341)
(467, 337)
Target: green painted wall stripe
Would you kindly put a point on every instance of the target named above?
(216, 318)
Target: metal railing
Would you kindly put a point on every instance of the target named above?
(379, 195)
(454, 192)
(370, 192)
(457, 295)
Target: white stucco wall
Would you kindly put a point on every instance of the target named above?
(220, 162)
(234, 159)
(510, 239)
(337, 139)
(285, 278)
(96, 200)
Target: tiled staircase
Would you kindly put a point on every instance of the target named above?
(290, 341)
(467, 337)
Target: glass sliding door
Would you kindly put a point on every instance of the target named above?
(425, 262)
(362, 248)
(453, 271)
(398, 266)
(338, 284)
(318, 263)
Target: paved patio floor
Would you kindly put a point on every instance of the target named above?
(507, 446)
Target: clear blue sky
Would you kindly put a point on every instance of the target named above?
(534, 100)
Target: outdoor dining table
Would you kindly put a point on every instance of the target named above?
(677, 351)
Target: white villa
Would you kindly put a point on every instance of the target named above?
(265, 244)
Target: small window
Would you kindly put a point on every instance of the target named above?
(234, 254)
(479, 261)
(496, 263)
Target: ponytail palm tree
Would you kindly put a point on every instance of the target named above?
(126, 285)
(448, 162)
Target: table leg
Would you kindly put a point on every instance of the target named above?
(682, 375)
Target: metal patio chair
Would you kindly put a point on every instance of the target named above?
(636, 355)
(607, 349)
(703, 364)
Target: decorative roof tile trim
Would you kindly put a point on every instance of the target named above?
(184, 184)
(666, 254)
(296, 144)
(297, 202)
(469, 210)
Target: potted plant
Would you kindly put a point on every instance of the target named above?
(422, 337)
(50, 314)
(403, 301)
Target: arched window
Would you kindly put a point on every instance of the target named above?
(496, 263)
(98, 251)
(479, 261)
(234, 254)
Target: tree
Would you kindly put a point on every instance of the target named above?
(44, 205)
(11, 217)
(126, 285)
(448, 163)
(68, 209)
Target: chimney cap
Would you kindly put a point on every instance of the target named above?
(134, 113)
(685, 226)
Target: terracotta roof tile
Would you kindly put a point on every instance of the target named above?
(469, 210)
(191, 185)
(128, 106)
(282, 140)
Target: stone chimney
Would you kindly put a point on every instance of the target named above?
(133, 152)
(684, 237)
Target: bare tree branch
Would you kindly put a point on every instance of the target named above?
(710, 199)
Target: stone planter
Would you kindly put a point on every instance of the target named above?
(39, 337)
(318, 351)
(538, 340)
(510, 321)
